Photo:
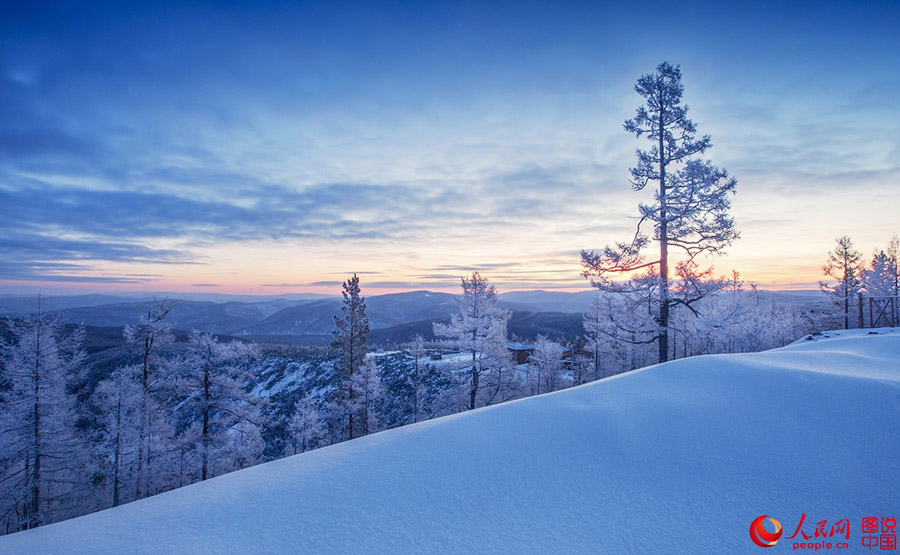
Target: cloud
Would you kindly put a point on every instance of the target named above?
(31, 255)
(46, 220)
(153, 134)
(338, 211)
(17, 270)
(476, 267)
(411, 285)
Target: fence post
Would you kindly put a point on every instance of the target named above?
(861, 310)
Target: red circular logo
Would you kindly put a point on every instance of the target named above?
(761, 536)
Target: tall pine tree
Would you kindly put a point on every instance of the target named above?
(689, 212)
(350, 336)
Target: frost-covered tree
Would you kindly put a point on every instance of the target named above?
(546, 365)
(38, 446)
(600, 326)
(619, 329)
(417, 384)
(738, 319)
(368, 389)
(479, 329)
(149, 336)
(306, 428)
(689, 212)
(844, 264)
(350, 338)
(893, 256)
(215, 410)
(880, 279)
(120, 397)
(500, 382)
(582, 363)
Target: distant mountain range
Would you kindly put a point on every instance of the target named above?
(394, 318)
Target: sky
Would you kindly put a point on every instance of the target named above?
(270, 148)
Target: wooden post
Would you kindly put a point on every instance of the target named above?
(861, 323)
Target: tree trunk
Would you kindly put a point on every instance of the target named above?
(474, 390)
(205, 432)
(663, 251)
(117, 451)
(416, 387)
(145, 409)
(35, 519)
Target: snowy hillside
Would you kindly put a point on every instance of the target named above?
(676, 458)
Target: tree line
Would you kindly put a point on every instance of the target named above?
(845, 264)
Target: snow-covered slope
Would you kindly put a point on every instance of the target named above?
(676, 458)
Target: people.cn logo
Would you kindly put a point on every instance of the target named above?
(761, 536)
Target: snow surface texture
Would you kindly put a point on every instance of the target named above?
(675, 458)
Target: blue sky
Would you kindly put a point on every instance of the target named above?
(272, 147)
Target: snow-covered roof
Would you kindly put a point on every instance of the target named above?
(515, 346)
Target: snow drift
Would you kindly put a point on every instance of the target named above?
(679, 457)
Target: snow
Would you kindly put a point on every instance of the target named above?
(679, 457)
(277, 382)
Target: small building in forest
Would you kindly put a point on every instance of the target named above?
(520, 351)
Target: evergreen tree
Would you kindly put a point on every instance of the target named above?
(350, 336)
(844, 264)
(689, 212)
